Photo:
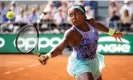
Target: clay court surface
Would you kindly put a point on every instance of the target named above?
(27, 67)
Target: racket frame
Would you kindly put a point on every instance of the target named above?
(21, 30)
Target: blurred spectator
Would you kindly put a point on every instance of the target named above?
(114, 20)
(60, 18)
(3, 9)
(49, 21)
(89, 12)
(50, 8)
(14, 8)
(93, 4)
(64, 7)
(127, 6)
(48, 17)
(87, 2)
(70, 3)
(57, 4)
(126, 20)
(80, 2)
(1, 18)
(33, 16)
(22, 18)
(113, 7)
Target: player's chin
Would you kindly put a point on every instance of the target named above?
(76, 23)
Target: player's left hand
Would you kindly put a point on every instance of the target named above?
(117, 35)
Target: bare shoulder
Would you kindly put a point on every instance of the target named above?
(70, 33)
(73, 36)
(91, 20)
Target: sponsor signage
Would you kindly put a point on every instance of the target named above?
(106, 44)
(46, 42)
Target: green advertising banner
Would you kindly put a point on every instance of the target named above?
(107, 44)
(46, 42)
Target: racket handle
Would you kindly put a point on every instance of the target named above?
(38, 54)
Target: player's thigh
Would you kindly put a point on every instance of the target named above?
(85, 76)
(100, 78)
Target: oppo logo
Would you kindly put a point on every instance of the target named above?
(42, 43)
(2, 42)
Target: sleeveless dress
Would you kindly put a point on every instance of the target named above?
(84, 57)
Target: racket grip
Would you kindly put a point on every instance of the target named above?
(38, 54)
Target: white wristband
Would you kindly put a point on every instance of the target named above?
(111, 32)
(49, 55)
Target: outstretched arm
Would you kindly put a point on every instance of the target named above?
(56, 50)
(102, 28)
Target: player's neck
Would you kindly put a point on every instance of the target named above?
(83, 27)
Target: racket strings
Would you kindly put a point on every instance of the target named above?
(27, 39)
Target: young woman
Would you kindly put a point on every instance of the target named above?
(84, 62)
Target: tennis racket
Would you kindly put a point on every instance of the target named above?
(28, 37)
(27, 40)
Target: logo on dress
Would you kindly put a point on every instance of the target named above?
(85, 35)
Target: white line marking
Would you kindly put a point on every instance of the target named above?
(7, 73)
(16, 70)
(21, 68)
(32, 65)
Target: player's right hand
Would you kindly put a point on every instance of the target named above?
(43, 59)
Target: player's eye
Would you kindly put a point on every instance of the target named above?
(71, 15)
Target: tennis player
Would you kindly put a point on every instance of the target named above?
(84, 63)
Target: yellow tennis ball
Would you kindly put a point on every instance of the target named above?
(10, 15)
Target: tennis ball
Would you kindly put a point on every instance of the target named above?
(10, 15)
